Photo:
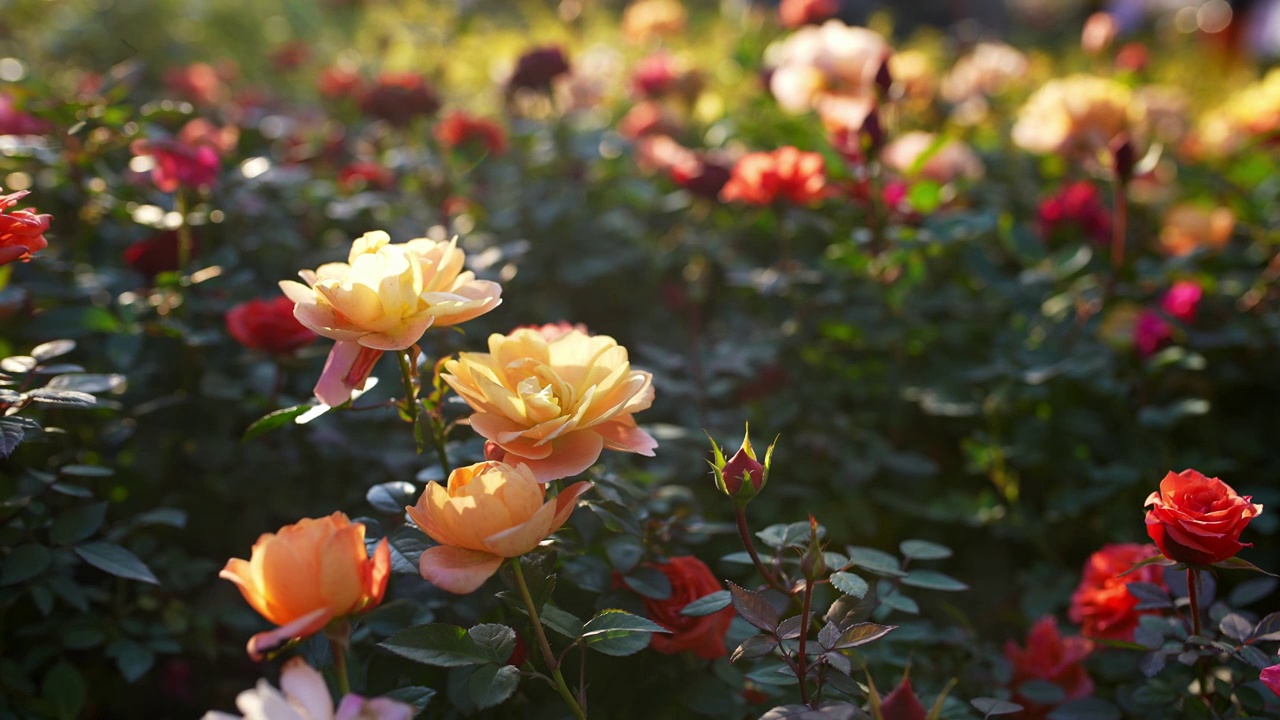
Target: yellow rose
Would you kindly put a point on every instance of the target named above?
(1076, 116)
(489, 511)
(553, 402)
(309, 573)
(384, 298)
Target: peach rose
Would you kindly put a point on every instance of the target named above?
(489, 511)
(822, 67)
(304, 695)
(1189, 226)
(384, 298)
(553, 403)
(1197, 520)
(645, 20)
(307, 574)
(951, 160)
(1076, 116)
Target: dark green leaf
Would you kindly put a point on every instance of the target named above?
(1235, 627)
(565, 623)
(24, 563)
(923, 550)
(132, 659)
(78, 523)
(64, 689)
(173, 517)
(495, 641)
(437, 644)
(933, 580)
(491, 685)
(1251, 591)
(391, 497)
(1091, 708)
(619, 633)
(69, 398)
(86, 383)
(415, 695)
(274, 420)
(754, 647)
(95, 471)
(649, 582)
(708, 604)
(1042, 692)
(52, 349)
(1149, 595)
(1236, 563)
(876, 561)
(992, 706)
(754, 608)
(11, 435)
(114, 559)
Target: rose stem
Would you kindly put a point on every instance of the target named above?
(1193, 581)
(1119, 225)
(185, 246)
(339, 637)
(745, 534)
(803, 670)
(410, 392)
(541, 634)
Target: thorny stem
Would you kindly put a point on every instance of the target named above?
(803, 669)
(541, 634)
(745, 534)
(410, 388)
(1193, 594)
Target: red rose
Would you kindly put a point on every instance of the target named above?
(1049, 657)
(400, 97)
(21, 231)
(268, 325)
(795, 13)
(786, 173)
(156, 254)
(201, 83)
(1102, 604)
(1271, 678)
(364, 174)
(537, 68)
(1198, 520)
(15, 122)
(690, 579)
(1076, 208)
(458, 129)
(902, 704)
(339, 81)
(647, 118)
(178, 165)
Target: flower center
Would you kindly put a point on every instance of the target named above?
(540, 402)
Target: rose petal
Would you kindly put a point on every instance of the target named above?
(457, 570)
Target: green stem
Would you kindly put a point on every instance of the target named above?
(185, 244)
(338, 646)
(410, 389)
(561, 686)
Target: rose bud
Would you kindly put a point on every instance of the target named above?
(812, 564)
(902, 704)
(307, 574)
(742, 477)
(268, 325)
(1197, 520)
(488, 512)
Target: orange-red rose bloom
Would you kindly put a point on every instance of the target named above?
(1049, 657)
(458, 129)
(1198, 520)
(21, 231)
(786, 173)
(268, 325)
(307, 574)
(1102, 604)
(704, 636)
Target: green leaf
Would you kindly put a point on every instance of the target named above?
(496, 641)
(708, 604)
(114, 559)
(876, 561)
(132, 659)
(619, 633)
(52, 349)
(754, 608)
(933, 580)
(901, 603)
(649, 582)
(11, 435)
(78, 523)
(1042, 692)
(1251, 591)
(1090, 708)
(861, 634)
(92, 471)
(64, 689)
(1236, 563)
(415, 695)
(24, 563)
(565, 623)
(439, 645)
(924, 550)
(173, 517)
(925, 196)
(992, 706)
(274, 420)
(491, 685)
(391, 497)
(849, 584)
(754, 647)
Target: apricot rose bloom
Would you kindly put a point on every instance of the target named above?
(304, 695)
(951, 159)
(1076, 116)
(827, 68)
(487, 513)
(307, 574)
(1197, 520)
(554, 402)
(384, 298)
(1189, 226)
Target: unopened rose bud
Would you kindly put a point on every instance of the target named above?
(1123, 157)
(884, 77)
(742, 476)
(812, 564)
(872, 133)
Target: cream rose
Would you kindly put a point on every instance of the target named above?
(554, 402)
(384, 298)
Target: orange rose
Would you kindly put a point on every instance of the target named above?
(1102, 604)
(1198, 520)
(489, 511)
(307, 574)
(760, 178)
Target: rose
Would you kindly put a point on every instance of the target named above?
(1188, 227)
(384, 298)
(1182, 300)
(1076, 116)
(176, 164)
(554, 403)
(1049, 657)
(304, 695)
(21, 231)
(690, 579)
(156, 254)
(488, 512)
(1099, 32)
(268, 325)
(307, 574)
(537, 68)
(1076, 207)
(458, 129)
(902, 704)
(795, 13)
(1102, 604)
(815, 65)
(761, 178)
(1197, 520)
(1151, 332)
(1271, 678)
(952, 159)
(398, 98)
(645, 20)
